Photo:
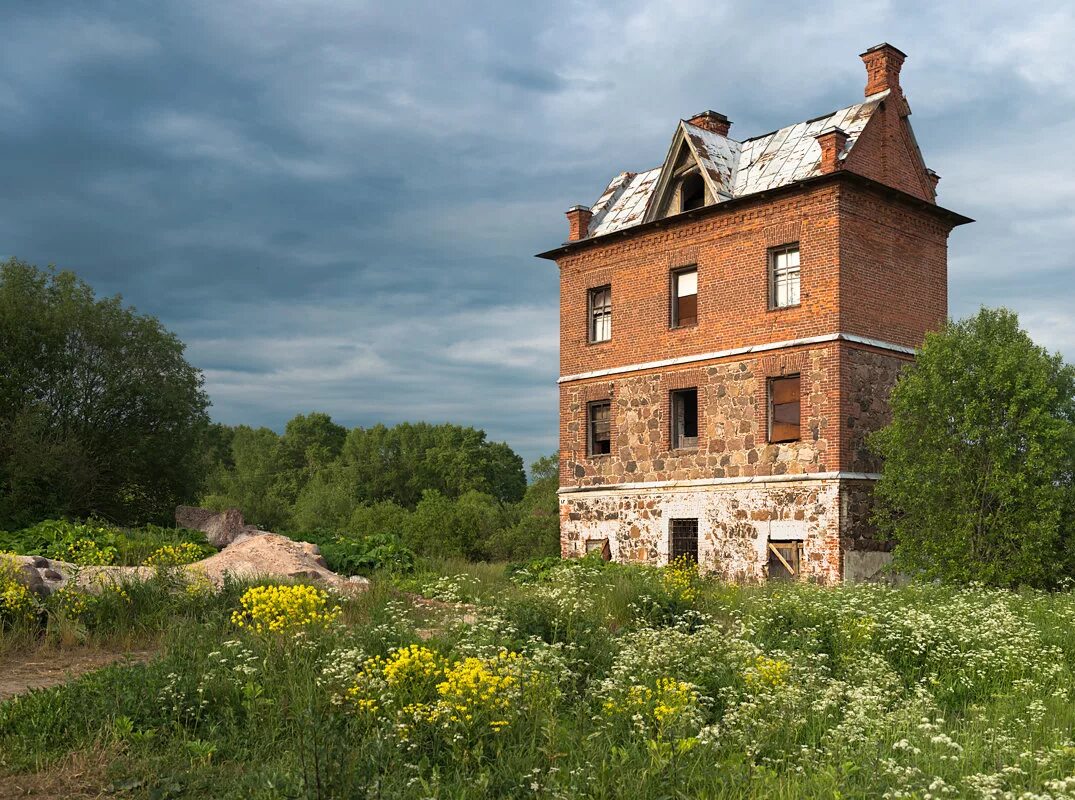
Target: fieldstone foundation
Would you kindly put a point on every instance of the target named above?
(736, 523)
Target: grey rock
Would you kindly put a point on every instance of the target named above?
(221, 528)
(42, 590)
(29, 576)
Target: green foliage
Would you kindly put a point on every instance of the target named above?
(567, 684)
(365, 555)
(93, 542)
(980, 458)
(99, 411)
(317, 474)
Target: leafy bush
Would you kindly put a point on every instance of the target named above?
(365, 555)
(979, 459)
(93, 542)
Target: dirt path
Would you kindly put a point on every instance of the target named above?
(39, 669)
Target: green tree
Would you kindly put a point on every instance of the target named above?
(979, 458)
(534, 530)
(402, 462)
(253, 483)
(443, 527)
(100, 413)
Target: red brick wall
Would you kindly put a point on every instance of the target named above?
(731, 252)
(886, 152)
(893, 269)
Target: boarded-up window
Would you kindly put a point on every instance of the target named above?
(601, 314)
(784, 276)
(599, 546)
(784, 560)
(685, 419)
(784, 409)
(599, 425)
(684, 534)
(684, 297)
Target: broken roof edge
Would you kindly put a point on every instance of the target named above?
(955, 218)
(872, 98)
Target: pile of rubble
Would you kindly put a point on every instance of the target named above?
(245, 553)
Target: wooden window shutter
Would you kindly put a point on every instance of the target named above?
(784, 409)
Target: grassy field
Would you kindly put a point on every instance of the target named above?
(577, 680)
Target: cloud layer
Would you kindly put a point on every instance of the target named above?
(335, 204)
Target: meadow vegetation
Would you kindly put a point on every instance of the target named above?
(575, 679)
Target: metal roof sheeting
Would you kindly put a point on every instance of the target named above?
(735, 169)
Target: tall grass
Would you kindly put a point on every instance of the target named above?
(628, 682)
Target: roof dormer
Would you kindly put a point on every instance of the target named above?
(699, 169)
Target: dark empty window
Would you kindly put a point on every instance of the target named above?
(685, 419)
(599, 428)
(601, 314)
(691, 192)
(784, 409)
(784, 560)
(684, 297)
(684, 539)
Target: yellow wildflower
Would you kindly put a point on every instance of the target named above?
(278, 609)
(174, 555)
(765, 671)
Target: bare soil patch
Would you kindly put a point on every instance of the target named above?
(41, 668)
(79, 776)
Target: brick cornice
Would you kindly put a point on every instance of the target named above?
(952, 218)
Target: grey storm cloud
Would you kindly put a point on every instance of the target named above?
(336, 204)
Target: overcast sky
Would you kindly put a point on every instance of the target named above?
(336, 204)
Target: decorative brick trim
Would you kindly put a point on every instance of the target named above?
(784, 233)
(683, 257)
(776, 366)
(808, 477)
(737, 351)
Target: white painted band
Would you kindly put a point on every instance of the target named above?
(755, 479)
(738, 351)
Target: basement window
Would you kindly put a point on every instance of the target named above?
(599, 546)
(685, 297)
(784, 276)
(600, 313)
(784, 409)
(684, 534)
(784, 560)
(684, 419)
(691, 192)
(599, 428)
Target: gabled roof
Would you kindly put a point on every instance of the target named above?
(732, 169)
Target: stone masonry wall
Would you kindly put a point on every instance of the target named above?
(732, 421)
(869, 376)
(734, 525)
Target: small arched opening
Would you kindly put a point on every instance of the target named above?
(691, 192)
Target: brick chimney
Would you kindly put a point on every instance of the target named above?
(711, 121)
(832, 141)
(578, 218)
(883, 62)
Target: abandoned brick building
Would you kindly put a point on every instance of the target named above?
(731, 325)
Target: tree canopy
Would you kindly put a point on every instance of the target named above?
(100, 413)
(979, 458)
(317, 473)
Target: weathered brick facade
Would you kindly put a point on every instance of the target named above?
(872, 249)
